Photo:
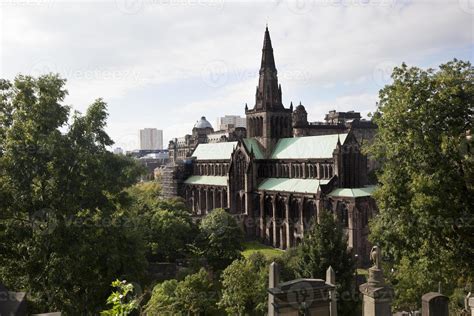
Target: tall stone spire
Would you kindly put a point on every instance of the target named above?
(269, 120)
(268, 61)
(268, 91)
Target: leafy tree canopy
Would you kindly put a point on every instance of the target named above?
(165, 224)
(326, 245)
(123, 300)
(426, 193)
(59, 191)
(220, 239)
(244, 286)
(194, 295)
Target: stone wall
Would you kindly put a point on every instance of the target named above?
(173, 176)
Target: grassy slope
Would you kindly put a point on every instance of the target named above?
(253, 246)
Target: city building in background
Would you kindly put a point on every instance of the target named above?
(153, 162)
(202, 133)
(118, 151)
(151, 139)
(230, 121)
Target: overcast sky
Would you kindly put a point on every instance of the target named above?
(165, 63)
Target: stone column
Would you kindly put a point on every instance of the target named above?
(262, 216)
(287, 224)
(282, 235)
(273, 280)
(193, 199)
(331, 279)
(207, 208)
(352, 228)
(274, 223)
(470, 302)
(214, 199)
(377, 295)
(301, 206)
(222, 198)
(317, 204)
(200, 201)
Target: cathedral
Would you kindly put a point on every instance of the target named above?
(279, 176)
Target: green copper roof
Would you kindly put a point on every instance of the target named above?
(354, 192)
(307, 147)
(292, 185)
(215, 151)
(207, 180)
(252, 144)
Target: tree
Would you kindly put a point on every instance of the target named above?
(244, 286)
(194, 295)
(162, 299)
(166, 224)
(426, 190)
(59, 192)
(326, 245)
(169, 235)
(220, 239)
(123, 300)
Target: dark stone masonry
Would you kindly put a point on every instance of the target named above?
(279, 173)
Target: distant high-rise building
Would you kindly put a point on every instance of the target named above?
(151, 139)
(118, 151)
(223, 123)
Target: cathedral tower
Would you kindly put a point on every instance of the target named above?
(269, 120)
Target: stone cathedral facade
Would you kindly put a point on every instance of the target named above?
(284, 172)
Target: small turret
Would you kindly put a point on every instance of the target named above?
(300, 116)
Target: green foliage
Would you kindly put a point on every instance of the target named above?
(252, 247)
(145, 193)
(123, 301)
(427, 169)
(169, 235)
(166, 225)
(163, 298)
(220, 239)
(59, 191)
(244, 286)
(326, 245)
(288, 264)
(194, 295)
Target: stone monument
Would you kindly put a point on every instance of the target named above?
(377, 295)
(434, 304)
(301, 296)
(273, 280)
(331, 280)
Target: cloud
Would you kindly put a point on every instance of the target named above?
(165, 63)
